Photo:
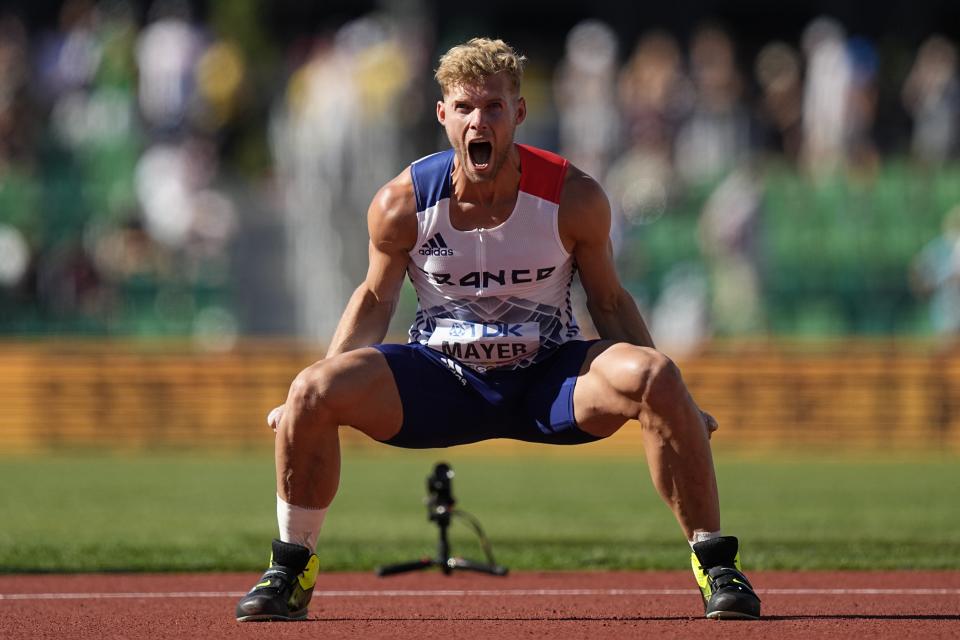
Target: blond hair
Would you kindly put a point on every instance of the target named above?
(476, 60)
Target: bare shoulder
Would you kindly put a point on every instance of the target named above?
(584, 212)
(392, 218)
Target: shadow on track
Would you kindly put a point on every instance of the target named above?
(812, 617)
(506, 619)
(869, 616)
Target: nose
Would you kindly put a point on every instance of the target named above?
(477, 120)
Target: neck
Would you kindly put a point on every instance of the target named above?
(503, 186)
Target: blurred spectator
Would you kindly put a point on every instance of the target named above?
(936, 273)
(335, 135)
(17, 125)
(220, 72)
(931, 94)
(20, 227)
(862, 158)
(310, 135)
(826, 97)
(729, 239)
(540, 126)
(654, 94)
(680, 320)
(585, 89)
(778, 73)
(14, 256)
(167, 53)
(180, 209)
(640, 186)
(126, 253)
(68, 284)
(716, 135)
(68, 57)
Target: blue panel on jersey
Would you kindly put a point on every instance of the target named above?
(431, 178)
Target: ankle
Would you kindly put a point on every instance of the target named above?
(703, 536)
(299, 525)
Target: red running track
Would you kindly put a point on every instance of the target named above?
(527, 605)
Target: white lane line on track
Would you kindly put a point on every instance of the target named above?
(412, 593)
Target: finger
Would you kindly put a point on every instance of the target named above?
(710, 421)
(273, 418)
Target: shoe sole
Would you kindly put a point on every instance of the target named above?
(731, 615)
(267, 617)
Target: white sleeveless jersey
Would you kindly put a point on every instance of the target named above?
(495, 297)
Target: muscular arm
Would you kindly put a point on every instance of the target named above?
(585, 225)
(392, 224)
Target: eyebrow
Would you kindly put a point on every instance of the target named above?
(471, 101)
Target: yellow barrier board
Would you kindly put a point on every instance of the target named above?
(863, 395)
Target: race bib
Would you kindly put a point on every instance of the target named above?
(484, 345)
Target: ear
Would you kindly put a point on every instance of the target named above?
(441, 112)
(521, 110)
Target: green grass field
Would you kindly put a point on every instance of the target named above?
(188, 512)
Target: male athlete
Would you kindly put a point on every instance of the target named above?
(490, 233)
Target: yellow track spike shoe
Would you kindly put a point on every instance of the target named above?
(727, 594)
(283, 591)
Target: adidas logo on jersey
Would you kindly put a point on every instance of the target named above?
(435, 247)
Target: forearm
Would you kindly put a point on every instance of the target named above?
(364, 322)
(618, 318)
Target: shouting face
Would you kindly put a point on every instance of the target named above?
(480, 119)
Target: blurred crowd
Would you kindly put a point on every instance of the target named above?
(162, 174)
(673, 120)
(111, 138)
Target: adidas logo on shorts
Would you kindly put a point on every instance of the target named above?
(435, 247)
(456, 369)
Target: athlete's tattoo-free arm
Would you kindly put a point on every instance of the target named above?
(391, 222)
(612, 308)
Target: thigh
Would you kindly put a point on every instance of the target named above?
(602, 403)
(443, 403)
(549, 405)
(358, 390)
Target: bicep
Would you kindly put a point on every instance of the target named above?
(386, 271)
(592, 249)
(598, 274)
(392, 225)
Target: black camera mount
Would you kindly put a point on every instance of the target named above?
(441, 510)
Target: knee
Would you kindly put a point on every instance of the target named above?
(666, 383)
(648, 376)
(310, 393)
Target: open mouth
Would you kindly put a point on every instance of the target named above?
(480, 152)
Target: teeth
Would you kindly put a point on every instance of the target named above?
(480, 152)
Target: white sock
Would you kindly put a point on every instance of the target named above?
(299, 525)
(702, 536)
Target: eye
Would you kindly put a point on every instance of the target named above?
(462, 107)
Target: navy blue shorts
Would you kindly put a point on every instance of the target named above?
(446, 403)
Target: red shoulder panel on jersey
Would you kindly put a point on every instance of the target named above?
(542, 173)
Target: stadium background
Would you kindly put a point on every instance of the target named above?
(182, 190)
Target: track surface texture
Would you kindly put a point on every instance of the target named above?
(527, 605)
